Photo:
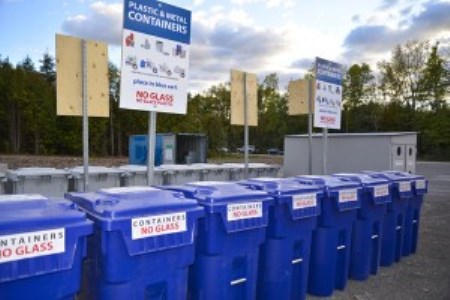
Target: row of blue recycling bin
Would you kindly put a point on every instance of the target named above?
(262, 238)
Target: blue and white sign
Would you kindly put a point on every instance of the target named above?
(155, 56)
(328, 94)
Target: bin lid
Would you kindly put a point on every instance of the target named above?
(346, 193)
(205, 166)
(326, 181)
(233, 166)
(402, 184)
(280, 186)
(419, 183)
(364, 179)
(258, 165)
(239, 207)
(31, 172)
(108, 205)
(137, 168)
(391, 176)
(149, 219)
(38, 235)
(377, 188)
(218, 192)
(171, 167)
(302, 200)
(79, 170)
(31, 212)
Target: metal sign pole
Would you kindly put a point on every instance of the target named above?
(245, 128)
(85, 119)
(151, 147)
(325, 148)
(311, 87)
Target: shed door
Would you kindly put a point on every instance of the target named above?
(411, 158)
(398, 157)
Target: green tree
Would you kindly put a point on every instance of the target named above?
(436, 79)
(48, 67)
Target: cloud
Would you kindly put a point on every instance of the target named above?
(356, 18)
(104, 23)
(222, 39)
(267, 3)
(388, 4)
(219, 45)
(432, 21)
(304, 63)
(198, 2)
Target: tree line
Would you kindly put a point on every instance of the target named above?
(408, 92)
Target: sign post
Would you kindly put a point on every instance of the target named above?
(301, 101)
(310, 122)
(85, 119)
(244, 106)
(328, 99)
(82, 85)
(155, 60)
(245, 128)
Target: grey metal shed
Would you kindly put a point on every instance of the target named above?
(352, 152)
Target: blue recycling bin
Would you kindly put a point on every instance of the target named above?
(284, 257)
(367, 229)
(229, 237)
(331, 242)
(412, 214)
(142, 245)
(42, 246)
(394, 220)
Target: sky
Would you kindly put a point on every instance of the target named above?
(257, 36)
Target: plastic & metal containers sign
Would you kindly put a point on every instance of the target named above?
(142, 245)
(155, 57)
(328, 94)
(42, 245)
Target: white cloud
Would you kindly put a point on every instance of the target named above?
(198, 2)
(103, 23)
(267, 3)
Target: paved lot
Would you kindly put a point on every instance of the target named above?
(425, 275)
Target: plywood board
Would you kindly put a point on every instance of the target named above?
(97, 79)
(237, 98)
(69, 77)
(298, 97)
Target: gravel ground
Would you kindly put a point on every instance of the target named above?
(425, 275)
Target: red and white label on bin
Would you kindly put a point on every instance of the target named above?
(381, 190)
(243, 211)
(304, 201)
(404, 186)
(31, 244)
(156, 225)
(348, 195)
(420, 184)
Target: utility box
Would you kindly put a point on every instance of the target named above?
(352, 152)
(170, 148)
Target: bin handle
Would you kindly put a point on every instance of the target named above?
(297, 260)
(238, 281)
